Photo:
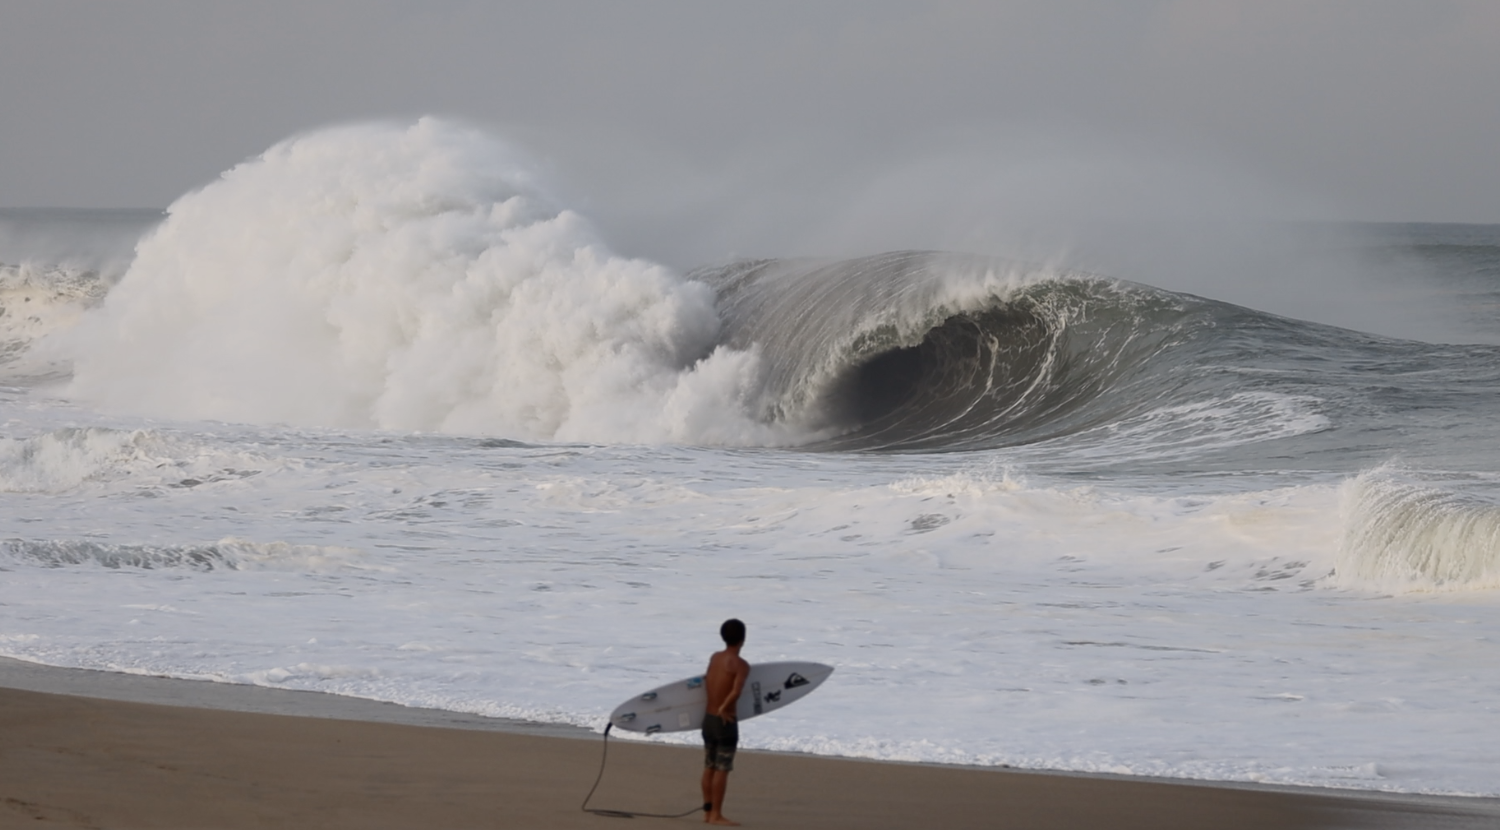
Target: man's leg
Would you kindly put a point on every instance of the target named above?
(708, 791)
(718, 782)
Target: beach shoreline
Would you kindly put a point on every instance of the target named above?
(90, 748)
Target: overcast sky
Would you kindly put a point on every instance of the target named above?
(858, 118)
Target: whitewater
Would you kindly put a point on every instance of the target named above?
(372, 415)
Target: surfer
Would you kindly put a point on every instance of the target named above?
(725, 679)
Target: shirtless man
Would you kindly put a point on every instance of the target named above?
(724, 679)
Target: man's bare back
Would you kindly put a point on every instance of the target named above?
(725, 679)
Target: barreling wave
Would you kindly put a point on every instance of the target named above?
(938, 351)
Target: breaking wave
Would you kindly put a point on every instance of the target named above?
(418, 278)
(1403, 535)
(928, 350)
(64, 459)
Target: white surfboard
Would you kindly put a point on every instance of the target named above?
(680, 706)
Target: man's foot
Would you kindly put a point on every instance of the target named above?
(720, 820)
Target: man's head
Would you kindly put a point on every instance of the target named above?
(733, 632)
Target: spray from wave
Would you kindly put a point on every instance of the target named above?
(407, 278)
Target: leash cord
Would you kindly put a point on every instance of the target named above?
(621, 813)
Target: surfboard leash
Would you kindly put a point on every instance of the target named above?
(623, 813)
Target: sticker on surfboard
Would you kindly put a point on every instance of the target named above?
(679, 706)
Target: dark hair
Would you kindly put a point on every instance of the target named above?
(733, 632)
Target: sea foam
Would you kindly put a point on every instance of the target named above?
(226, 554)
(69, 458)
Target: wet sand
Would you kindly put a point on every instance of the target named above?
(94, 749)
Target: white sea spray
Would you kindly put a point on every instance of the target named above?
(407, 277)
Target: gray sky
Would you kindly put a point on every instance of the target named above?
(798, 124)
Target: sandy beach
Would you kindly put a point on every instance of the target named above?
(94, 749)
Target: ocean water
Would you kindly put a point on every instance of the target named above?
(372, 415)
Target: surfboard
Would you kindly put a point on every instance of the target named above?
(679, 706)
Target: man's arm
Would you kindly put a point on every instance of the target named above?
(739, 672)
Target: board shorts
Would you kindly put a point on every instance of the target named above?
(719, 740)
